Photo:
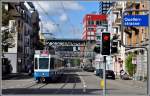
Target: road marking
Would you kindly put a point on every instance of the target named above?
(84, 83)
(74, 85)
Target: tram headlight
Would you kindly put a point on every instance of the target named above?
(43, 74)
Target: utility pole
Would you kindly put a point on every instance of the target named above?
(1, 47)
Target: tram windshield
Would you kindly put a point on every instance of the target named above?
(43, 63)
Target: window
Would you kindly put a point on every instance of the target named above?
(35, 63)
(90, 29)
(43, 63)
(18, 23)
(92, 38)
(52, 63)
(90, 22)
(6, 7)
(92, 33)
(97, 22)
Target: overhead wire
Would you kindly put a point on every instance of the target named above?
(69, 20)
(47, 14)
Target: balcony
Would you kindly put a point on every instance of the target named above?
(128, 31)
(119, 6)
(115, 11)
(132, 4)
(129, 4)
(114, 25)
(118, 21)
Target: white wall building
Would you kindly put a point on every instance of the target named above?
(114, 27)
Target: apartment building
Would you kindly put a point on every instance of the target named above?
(137, 36)
(114, 15)
(90, 23)
(19, 54)
(104, 6)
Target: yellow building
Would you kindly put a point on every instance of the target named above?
(42, 38)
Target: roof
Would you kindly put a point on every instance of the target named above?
(95, 17)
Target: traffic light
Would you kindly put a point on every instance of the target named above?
(97, 49)
(114, 48)
(105, 43)
(114, 44)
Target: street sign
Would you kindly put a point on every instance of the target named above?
(135, 20)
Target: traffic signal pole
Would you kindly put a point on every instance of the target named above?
(104, 76)
(148, 65)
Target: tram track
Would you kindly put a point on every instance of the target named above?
(37, 85)
(67, 82)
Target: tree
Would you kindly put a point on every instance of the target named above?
(5, 16)
(7, 34)
(7, 39)
(131, 68)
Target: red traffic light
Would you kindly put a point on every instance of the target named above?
(105, 43)
(106, 37)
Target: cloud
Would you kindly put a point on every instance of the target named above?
(48, 26)
(63, 17)
(56, 7)
(72, 5)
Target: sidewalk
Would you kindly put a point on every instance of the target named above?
(12, 75)
(134, 83)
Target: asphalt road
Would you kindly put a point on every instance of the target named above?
(74, 82)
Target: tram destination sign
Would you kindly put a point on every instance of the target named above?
(136, 20)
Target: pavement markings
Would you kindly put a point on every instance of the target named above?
(84, 83)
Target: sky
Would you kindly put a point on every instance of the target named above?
(64, 18)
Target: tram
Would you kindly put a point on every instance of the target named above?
(47, 66)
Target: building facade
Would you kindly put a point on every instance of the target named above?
(90, 23)
(20, 54)
(137, 36)
(104, 6)
(114, 27)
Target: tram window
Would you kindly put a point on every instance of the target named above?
(35, 62)
(43, 63)
(52, 63)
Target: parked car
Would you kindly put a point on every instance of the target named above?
(109, 74)
(89, 68)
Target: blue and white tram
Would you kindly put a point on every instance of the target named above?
(47, 66)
